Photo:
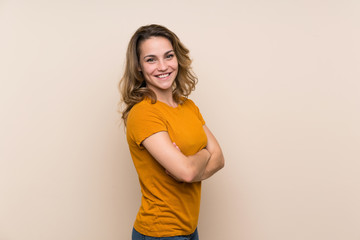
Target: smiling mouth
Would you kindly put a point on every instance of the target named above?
(165, 75)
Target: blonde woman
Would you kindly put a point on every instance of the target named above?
(171, 147)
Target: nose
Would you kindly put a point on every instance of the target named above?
(162, 65)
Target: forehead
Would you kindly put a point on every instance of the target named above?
(155, 46)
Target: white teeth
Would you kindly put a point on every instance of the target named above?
(164, 75)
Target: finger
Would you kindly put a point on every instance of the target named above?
(176, 146)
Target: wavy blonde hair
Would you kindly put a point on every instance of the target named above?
(132, 85)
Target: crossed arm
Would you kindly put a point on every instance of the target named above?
(194, 168)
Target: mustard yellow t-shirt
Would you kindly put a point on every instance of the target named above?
(168, 207)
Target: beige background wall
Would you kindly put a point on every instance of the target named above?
(278, 85)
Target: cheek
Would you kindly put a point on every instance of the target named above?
(148, 69)
(175, 64)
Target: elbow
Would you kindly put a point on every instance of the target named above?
(190, 175)
(222, 162)
(186, 175)
(188, 180)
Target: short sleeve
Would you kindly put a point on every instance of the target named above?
(196, 110)
(143, 121)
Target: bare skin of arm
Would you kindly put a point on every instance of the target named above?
(216, 161)
(182, 168)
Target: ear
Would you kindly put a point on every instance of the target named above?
(139, 68)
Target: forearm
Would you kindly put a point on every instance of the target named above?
(197, 165)
(215, 163)
(183, 168)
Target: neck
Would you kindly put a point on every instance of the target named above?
(168, 100)
(166, 97)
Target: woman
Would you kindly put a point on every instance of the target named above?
(171, 147)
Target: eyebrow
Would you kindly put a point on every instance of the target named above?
(151, 55)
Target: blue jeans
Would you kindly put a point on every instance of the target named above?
(138, 236)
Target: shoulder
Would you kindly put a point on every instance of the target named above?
(144, 120)
(145, 103)
(190, 104)
(143, 107)
(144, 111)
(187, 102)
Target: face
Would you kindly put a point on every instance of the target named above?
(158, 64)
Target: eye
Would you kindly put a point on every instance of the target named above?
(150, 60)
(170, 56)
